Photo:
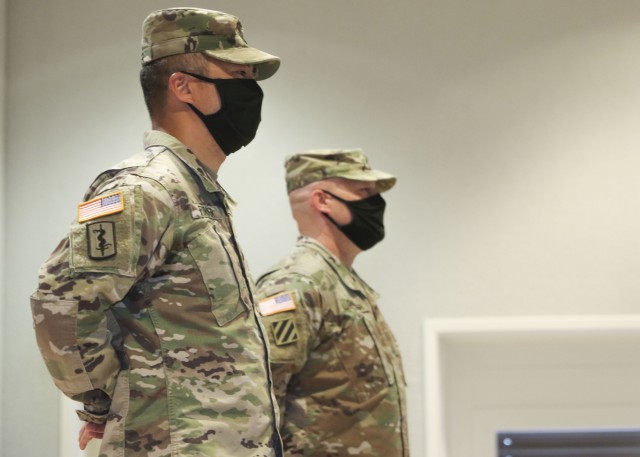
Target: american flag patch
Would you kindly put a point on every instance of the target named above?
(101, 206)
(277, 304)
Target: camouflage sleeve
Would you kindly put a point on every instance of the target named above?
(91, 269)
(291, 311)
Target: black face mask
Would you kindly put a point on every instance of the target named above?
(366, 227)
(236, 123)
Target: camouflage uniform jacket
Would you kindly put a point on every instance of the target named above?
(336, 367)
(188, 372)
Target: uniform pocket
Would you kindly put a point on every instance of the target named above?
(380, 344)
(54, 321)
(217, 262)
(390, 343)
(364, 360)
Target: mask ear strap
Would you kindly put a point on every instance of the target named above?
(334, 196)
(331, 219)
(200, 77)
(327, 215)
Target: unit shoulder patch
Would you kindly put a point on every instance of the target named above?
(101, 206)
(101, 240)
(277, 304)
(284, 331)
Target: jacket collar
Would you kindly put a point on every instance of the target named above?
(207, 177)
(347, 275)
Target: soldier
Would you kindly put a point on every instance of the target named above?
(153, 255)
(336, 367)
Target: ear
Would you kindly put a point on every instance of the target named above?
(319, 201)
(179, 86)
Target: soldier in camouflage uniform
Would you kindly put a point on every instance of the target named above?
(336, 367)
(145, 311)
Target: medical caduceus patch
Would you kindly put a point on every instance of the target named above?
(284, 332)
(101, 240)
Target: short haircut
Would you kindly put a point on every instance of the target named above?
(154, 78)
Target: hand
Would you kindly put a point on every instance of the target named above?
(88, 432)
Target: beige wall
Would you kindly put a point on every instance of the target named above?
(511, 124)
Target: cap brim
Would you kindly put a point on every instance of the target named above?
(266, 64)
(384, 181)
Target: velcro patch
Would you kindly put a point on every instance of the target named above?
(211, 212)
(101, 206)
(284, 332)
(277, 304)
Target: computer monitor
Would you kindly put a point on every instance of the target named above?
(569, 443)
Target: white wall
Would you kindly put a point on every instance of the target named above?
(511, 124)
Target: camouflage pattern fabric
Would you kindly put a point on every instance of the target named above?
(220, 35)
(318, 164)
(336, 367)
(146, 315)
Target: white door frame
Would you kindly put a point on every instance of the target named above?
(436, 330)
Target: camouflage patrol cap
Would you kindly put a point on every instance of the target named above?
(316, 165)
(183, 30)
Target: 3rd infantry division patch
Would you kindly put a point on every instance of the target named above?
(284, 331)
